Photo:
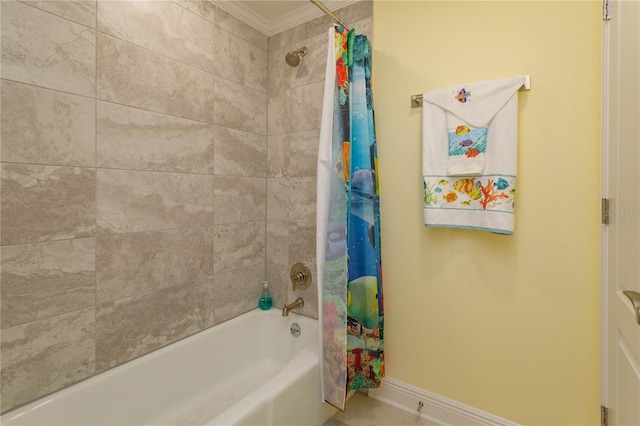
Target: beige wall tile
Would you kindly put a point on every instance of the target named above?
(42, 203)
(239, 153)
(317, 26)
(131, 327)
(239, 199)
(132, 201)
(80, 11)
(280, 114)
(128, 265)
(47, 127)
(279, 71)
(237, 292)
(278, 242)
(302, 243)
(278, 199)
(46, 355)
(304, 153)
(240, 61)
(239, 107)
(302, 193)
(313, 66)
(238, 245)
(134, 76)
(46, 50)
(204, 8)
(239, 28)
(161, 26)
(131, 138)
(279, 153)
(306, 107)
(279, 284)
(46, 279)
(282, 40)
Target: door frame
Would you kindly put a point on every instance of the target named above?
(605, 126)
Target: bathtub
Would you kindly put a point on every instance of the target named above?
(247, 371)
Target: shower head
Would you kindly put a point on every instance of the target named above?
(293, 57)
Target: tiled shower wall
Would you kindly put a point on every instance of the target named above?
(137, 175)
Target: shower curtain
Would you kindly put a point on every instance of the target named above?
(348, 228)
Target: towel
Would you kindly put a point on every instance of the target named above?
(469, 137)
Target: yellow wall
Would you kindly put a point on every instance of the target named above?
(507, 324)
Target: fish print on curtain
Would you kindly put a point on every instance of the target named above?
(352, 293)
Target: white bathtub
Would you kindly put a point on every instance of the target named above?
(247, 371)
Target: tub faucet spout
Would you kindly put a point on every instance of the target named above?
(299, 303)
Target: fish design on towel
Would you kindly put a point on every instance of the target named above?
(469, 155)
(472, 152)
(501, 184)
(451, 197)
(462, 130)
(469, 187)
(480, 193)
(463, 96)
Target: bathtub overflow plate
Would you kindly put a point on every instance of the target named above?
(295, 329)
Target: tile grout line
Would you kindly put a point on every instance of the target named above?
(95, 223)
(266, 175)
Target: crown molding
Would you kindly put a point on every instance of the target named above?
(283, 22)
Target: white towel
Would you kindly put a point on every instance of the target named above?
(469, 135)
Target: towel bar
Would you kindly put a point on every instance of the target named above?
(416, 100)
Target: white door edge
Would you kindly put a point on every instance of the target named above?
(604, 193)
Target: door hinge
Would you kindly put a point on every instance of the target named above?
(605, 211)
(604, 416)
(606, 13)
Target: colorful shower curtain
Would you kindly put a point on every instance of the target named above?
(348, 233)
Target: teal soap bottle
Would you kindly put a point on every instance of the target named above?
(265, 302)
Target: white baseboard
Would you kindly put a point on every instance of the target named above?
(436, 408)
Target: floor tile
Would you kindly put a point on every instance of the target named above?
(364, 411)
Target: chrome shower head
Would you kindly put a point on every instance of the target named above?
(293, 57)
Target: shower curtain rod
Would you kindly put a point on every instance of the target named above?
(326, 10)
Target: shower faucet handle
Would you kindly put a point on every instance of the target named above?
(300, 276)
